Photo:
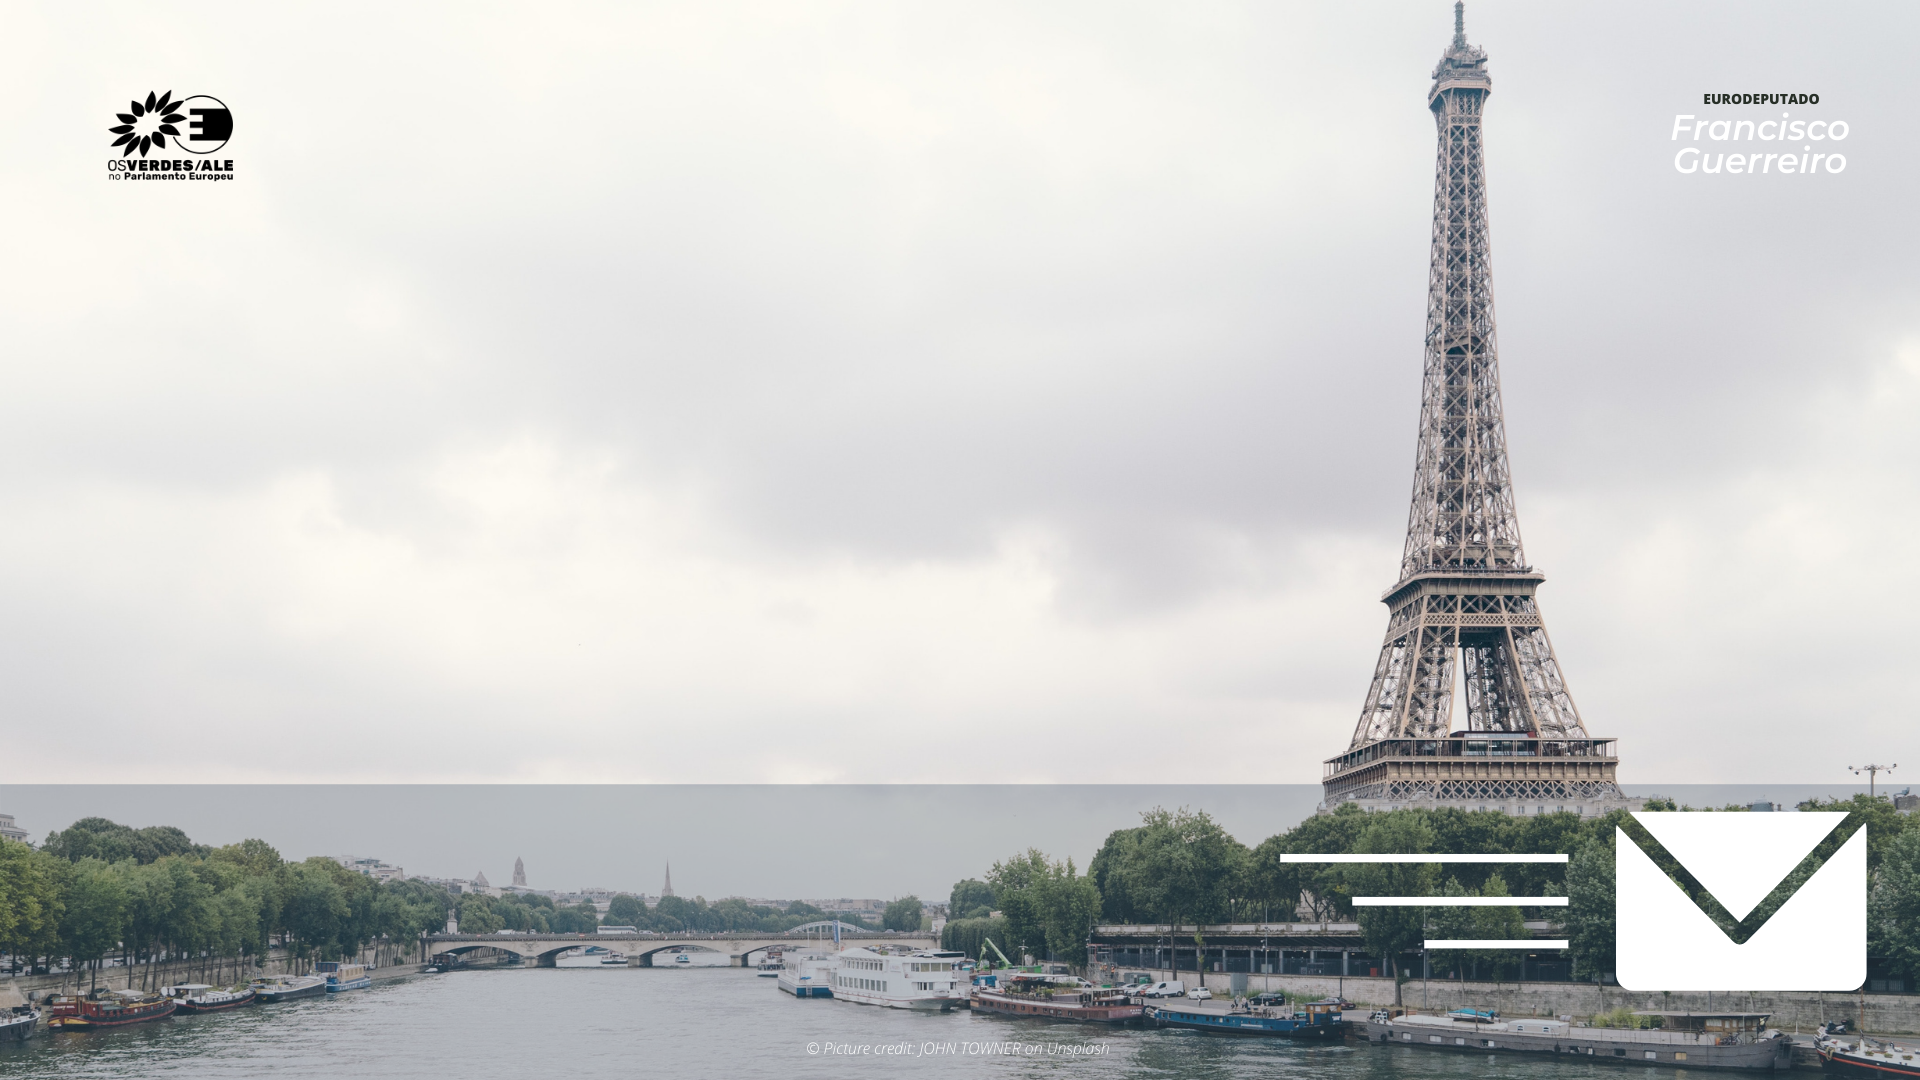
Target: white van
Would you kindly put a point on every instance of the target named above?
(1164, 988)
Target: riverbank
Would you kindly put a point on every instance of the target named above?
(279, 962)
(1893, 1014)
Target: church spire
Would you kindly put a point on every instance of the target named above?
(667, 889)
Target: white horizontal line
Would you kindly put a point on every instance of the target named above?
(1459, 901)
(1425, 858)
(1497, 943)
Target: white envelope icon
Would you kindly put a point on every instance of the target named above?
(1817, 940)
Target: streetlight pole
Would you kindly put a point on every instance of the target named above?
(1872, 772)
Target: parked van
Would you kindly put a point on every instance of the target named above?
(1165, 988)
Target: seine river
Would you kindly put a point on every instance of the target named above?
(588, 1024)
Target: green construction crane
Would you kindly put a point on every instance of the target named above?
(988, 942)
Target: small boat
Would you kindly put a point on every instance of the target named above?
(201, 998)
(683, 958)
(18, 1025)
(280, 988)
(18, 1018)
(769, 969)
(1059, 997)
(108, 1009)
(341, 977)
(1314, 1020)
(807, 974)
(1865, 1056)
(614, 959)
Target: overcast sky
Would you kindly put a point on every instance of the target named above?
(876, 392)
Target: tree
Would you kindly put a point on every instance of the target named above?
(626, 910)
(1182, 867)
(110, 842)
(1069, 906)
(316, 911)
(970, 899)
(1047, 906)
(1107, 872)
(579, 919)
(1015, 884)
(30, 900)
(1391, 931)
(477, 916)
(679, 913)
(1893, 907)
(902, 914)
(255, 858)
(967, 935)
(1590, 910)
(95, 913)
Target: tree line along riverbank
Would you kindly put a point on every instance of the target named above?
(1181, 867)
(154, 906)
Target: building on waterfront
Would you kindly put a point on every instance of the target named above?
(601, 899)
(1463, 619)
(373, 868)
(11, 831)
(519, 873)
(848, 906)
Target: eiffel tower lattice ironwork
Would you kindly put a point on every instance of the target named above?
(1466, 593)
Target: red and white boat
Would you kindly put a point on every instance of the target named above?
(108, 1009)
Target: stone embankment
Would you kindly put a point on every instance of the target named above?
(279, 962)
(1892, 1014)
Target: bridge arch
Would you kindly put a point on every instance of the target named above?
(544, 949)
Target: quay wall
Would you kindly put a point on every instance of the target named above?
(1888, 1014)
(279, 962)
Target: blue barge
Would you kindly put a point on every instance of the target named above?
(1318, 1020)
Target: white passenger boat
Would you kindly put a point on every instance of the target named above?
(807, 974)
(917, 979)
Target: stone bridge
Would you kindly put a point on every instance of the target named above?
(740, 948)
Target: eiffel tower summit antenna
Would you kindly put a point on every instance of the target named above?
(1466, 591)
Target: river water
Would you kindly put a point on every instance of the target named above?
(586, 1024)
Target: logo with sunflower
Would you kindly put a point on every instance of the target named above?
(148, 125)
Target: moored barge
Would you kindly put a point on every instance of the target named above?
(1058, 997)
(1689, 1040)
(281, 988)
(341, 977)
(1314, 1020)
(1865, 1056)
(109, 1009)
(202, 998)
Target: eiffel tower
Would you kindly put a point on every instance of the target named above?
(1466, 592)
